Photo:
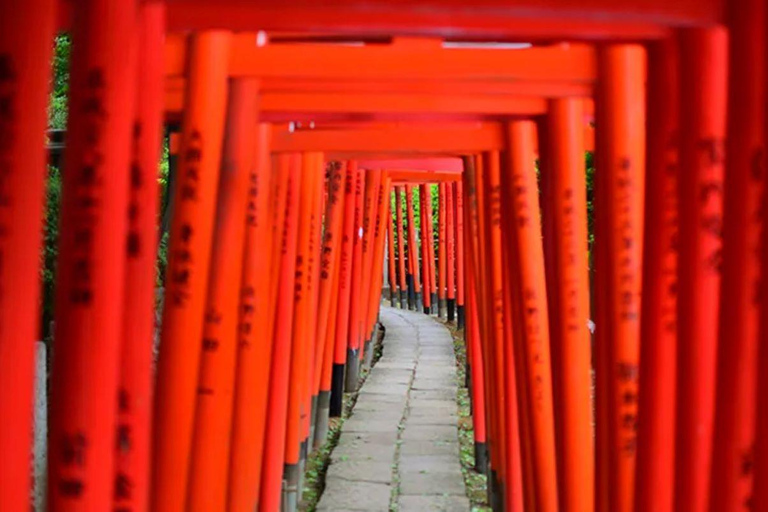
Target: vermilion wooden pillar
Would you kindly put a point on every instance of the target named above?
(527, 280)
(450, 247)
(401, 248)
(736, 398)
(136, 371)
(413, 249)
(476, 352)
(619, 204)
(441, 251)
(310, 193)
(329, 270)
(26, 31)
(571, 340)
(351, 185)
(209, 465)
(353, 337)
(431, 248)
(90, 288)
(308, 397)
(374, 298)
(392, 273)
(656, 415)
(461, 274)
(425, 220)
(187, 272)
(368, 281)
(703, 60)
(254, 353)
(284, 326)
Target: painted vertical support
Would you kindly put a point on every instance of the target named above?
(187, 272)
(475, 349)
(254, 341)
(209, 464)
(328, 366)
(658, 344)
(90, 288)
(353, 333)
(26, 32)
(441, 252)
(620, 198)
(374, 300)
(413, 247)
(572, 341)
(498, 304)
(530, 298)
(489, 329)
(391, 260)
(284, 326)
(401, 248)
(460, 265)
(369, 271)
(473, 184)
(351, 185)
(703, 61)
(425, 220)
(134, 422)
(450, 247)
(329, 270)
(431, 247)
(478, 377)
(309, 193)
(735, 416)
(315, 344)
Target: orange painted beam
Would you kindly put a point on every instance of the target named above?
(528, 19)
(408, 139)
(402, 60)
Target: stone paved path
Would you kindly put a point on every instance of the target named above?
(379, 466)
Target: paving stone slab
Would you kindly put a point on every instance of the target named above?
(358, 496)
(369, 394)
(430, 419)
(434, 394)
(443, 463)
(427, 403)
(430, 433)
(386, 389)
(375, 471)
(437, 483)
(430, 448)
(355, 424)
(434, 503)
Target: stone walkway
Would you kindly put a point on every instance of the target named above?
(399, 450)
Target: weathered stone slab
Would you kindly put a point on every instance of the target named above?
(358, 496)
(430, 433)
(364, 470)
(433, 503)
(430, 448)
(436, 483)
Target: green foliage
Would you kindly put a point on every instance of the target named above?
(590, 177)
(57, 111)
(50, 247)
(57, 120)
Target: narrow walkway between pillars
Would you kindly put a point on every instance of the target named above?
(399, 449)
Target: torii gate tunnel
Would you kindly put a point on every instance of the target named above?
(617, 339)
